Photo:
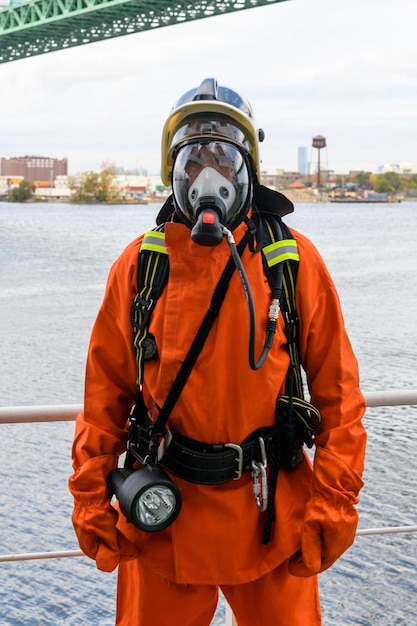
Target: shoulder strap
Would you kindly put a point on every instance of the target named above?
(284, 252)
(280, 254)
(152, 274)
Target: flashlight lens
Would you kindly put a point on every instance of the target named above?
(148, 498)
(155, 505)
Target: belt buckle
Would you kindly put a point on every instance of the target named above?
(239, 459)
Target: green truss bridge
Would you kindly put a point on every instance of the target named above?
(29, 28)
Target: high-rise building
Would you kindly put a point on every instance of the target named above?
(303, 167)
(35, 168)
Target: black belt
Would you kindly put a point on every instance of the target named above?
(211, 464)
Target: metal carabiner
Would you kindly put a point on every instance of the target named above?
(260, 487)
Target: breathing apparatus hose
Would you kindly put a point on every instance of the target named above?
(273, 310)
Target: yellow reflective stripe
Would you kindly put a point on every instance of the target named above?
(279, 251)
(154, 241)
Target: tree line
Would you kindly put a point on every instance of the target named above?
(98, 187)
(388, 182)
(87, 187)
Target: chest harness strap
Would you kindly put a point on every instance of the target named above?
(156, 430)
(296, 419)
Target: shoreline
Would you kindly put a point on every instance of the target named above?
(296, 196)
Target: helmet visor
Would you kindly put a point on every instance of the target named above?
(210, 128)
(211, 174)
(224, 94)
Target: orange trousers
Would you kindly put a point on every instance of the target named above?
(277, 599)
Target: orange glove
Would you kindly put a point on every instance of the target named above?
(94, 518)
(331, 519)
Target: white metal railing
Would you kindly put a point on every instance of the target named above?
(68, 412)
(52, 413)
(33, 556)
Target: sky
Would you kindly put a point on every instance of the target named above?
(344, 69)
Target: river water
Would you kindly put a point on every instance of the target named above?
(54, 261)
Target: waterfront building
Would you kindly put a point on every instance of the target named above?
(41, 170)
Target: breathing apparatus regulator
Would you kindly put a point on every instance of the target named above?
(210, 157)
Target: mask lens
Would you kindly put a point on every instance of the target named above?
(211, 175)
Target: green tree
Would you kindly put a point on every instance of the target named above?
(389, 182)
(381, 185)
(109, 192)
(394, 180)
(412, 182)
(93, 187)
(362, 179)
(84, 187)
(23, 192)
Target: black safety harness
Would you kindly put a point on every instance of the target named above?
(274, 447)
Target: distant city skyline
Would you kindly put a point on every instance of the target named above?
(307, 164)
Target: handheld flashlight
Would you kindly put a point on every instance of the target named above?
(147, 497)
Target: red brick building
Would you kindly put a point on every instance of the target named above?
(34, 168)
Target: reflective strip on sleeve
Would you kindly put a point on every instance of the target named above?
(279, 251)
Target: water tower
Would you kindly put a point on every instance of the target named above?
(319, 142)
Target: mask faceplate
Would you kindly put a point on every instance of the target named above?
(211, 175)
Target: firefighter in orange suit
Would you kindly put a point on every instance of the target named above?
(171, 576)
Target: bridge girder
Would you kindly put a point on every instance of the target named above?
(42, 26)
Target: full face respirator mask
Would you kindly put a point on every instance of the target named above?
(212, 188)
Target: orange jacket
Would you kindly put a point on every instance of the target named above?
(217, 536)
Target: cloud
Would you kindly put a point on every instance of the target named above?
(345, 70)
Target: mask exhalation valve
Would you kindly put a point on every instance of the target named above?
(207, 230)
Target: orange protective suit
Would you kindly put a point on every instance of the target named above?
(216, 539)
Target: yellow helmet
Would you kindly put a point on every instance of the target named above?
(212, 112)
